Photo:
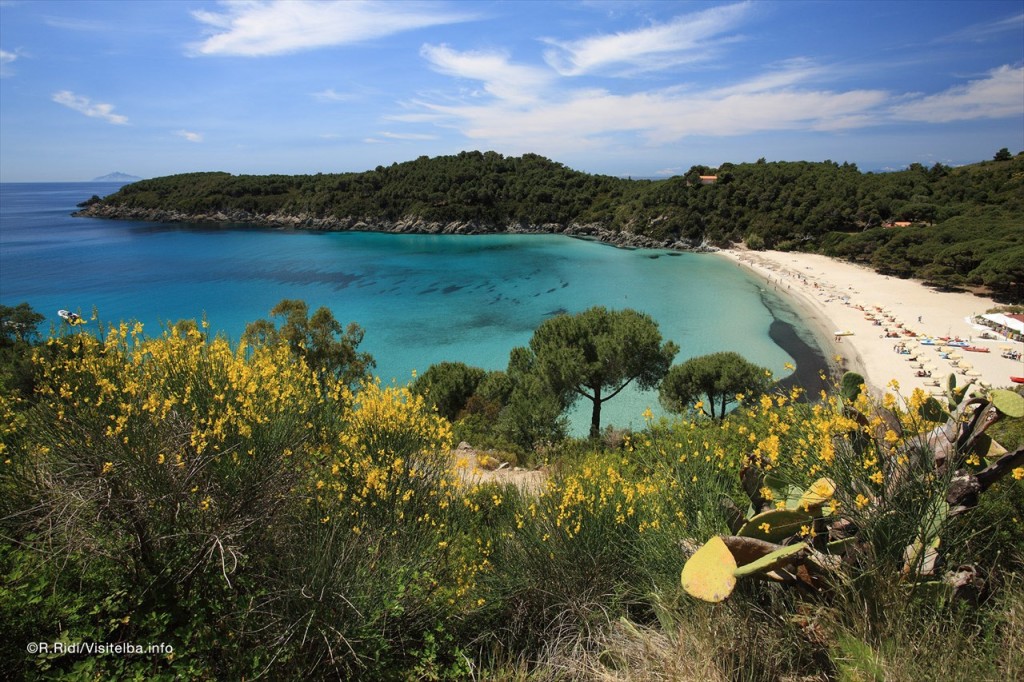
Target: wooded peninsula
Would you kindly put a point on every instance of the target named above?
(954, 228)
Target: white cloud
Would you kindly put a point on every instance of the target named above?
(979, 33)
(687, 38)
(998, 95)
(6, 58)
(330, 95)
(85, 106)
(189, 135)
(259, 27)
(509, 82)
(408, 136)
(391, 137)
(577, 119)
(76, 24)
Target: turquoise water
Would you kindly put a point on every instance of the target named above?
(421, 299)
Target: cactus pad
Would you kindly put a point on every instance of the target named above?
(1009, 403)
(769, 562)
(933, 411)
(850, 387)
(820, 492)
(776, 525)
(708, 574)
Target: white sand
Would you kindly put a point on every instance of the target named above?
(838, 296)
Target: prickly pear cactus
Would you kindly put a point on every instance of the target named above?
(851, 386)
(820, 492)
(776, 525)
(708, 574)
(1009, 403)
(772, 561)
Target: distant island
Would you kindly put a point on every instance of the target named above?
(117, 176)
(954, 228)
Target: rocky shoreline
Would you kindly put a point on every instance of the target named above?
(405, 225)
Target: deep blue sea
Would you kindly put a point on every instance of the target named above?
(421, 299)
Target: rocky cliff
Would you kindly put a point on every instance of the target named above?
(407, 225)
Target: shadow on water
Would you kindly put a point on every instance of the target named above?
(811, 363)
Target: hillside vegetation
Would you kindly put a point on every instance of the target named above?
(966, 223)
(256, 512)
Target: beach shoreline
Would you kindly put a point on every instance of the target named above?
(883, 321)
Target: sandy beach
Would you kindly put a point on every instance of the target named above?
(886, 322)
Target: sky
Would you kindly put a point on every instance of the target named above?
(627, 88)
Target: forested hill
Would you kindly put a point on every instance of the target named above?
(967, 223)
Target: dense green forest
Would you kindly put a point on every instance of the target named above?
(965, 224)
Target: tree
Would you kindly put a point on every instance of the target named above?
(449, 386)
(320, 340)
(18, 332)
(718, 377)
(18, 324)
(533, 412)
(597, 353)
(1002, 155)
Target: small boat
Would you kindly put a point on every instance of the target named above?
(74, 319)
(977, 349)
(843, 333)
(1017, 380)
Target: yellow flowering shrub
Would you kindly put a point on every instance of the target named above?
(180, 441)
(391, 459)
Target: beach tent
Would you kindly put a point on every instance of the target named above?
(1010, 326)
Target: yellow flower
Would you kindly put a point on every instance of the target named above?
(160, 459)
(107, 468)
(204, 504)
(1018, 473)
(766, 527)
(862, 501)
(877, 477)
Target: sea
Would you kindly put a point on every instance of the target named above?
(420, 299)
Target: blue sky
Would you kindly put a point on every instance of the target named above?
(645, 89)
